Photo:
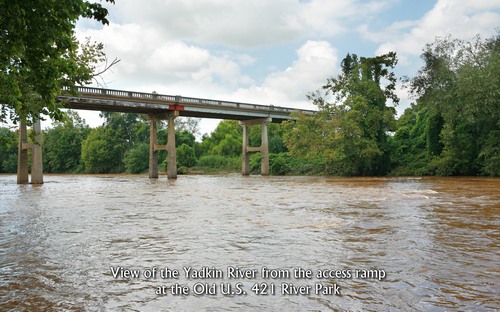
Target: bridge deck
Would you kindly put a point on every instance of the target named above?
(151, 103)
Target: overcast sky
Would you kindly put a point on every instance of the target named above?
(269, 51)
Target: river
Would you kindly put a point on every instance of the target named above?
(393, 244)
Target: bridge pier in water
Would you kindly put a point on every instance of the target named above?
(36, 155)
(170, 147)
(263, 148)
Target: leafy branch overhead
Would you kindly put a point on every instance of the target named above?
(39, 55)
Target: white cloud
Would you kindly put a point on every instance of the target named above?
(241, 23)
(316, 61)
(148, 60)
(462, 20)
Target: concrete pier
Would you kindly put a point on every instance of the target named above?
(263, 148)
(170, 147)
(153, 152)
(36, 155)
(22, 155)
(171, 150)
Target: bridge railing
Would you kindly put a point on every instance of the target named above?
(177, 99)
(188, 100)
(125, 94)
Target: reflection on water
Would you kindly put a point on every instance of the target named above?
(436, 238)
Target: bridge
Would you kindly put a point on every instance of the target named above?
(159, 107)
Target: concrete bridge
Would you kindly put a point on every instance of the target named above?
(159, 107)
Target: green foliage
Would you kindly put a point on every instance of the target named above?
(127, 127)
(458, 96)
(122, 143)
(225, 140)
(185, 156)
(275, 137)
(255, 162)
(62, 144)
(184, 137)
(350, 134)
(413, 142)
(39, 55)
(8, 151)
(102, 151)
(490, 155)
(219, 163)
(136, 159)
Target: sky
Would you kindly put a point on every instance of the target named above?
(269, 52)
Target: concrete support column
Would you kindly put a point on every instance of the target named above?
(263, 148)
(22, 155)
(245, 163)
(153, 153)
(171, 150)
(264, 165)
(36, 155)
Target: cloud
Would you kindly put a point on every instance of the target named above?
(244, 24)
(316, 61)
(461, 20)
(149, 60)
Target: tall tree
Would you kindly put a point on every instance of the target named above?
(8, 150)
(62, 144)
(117, 145)
(39, 54)
(102, 151)
(350, 131)
(459, 85)
(225, 140)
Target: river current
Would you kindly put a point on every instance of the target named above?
(76, 242)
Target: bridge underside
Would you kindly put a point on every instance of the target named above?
(189, 110)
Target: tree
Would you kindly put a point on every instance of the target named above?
(8, 150)
(189, 124)
(350, 131)
(459, 87)
(39, 55)
(225, 140)
(62, 144)
(417, 141)
(103, 151)
(185, 156)
(184, 137)
(118, 145)
(136, 159)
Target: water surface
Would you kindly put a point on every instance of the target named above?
(437, 240)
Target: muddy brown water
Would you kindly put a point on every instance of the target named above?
(397, 244)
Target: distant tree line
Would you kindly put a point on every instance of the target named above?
(452, 128)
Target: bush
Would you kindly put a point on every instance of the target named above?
(255, 162)
(136, 159)
(219, 163)
(279, 164)
(185, 156)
